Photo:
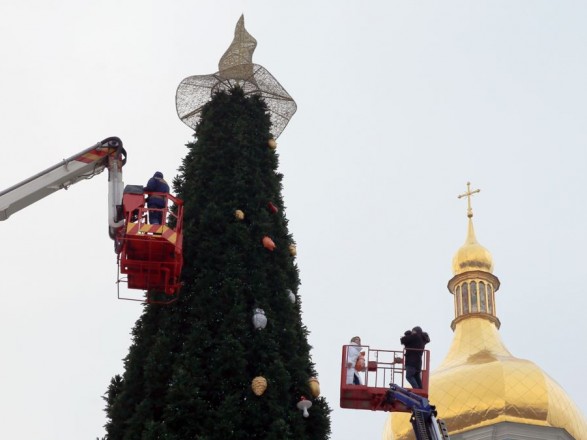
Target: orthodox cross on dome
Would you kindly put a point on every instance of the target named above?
(468, 195)
(236, 69)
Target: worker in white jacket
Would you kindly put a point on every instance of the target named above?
(353, 353)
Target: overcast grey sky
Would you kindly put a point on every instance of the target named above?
(399, 105)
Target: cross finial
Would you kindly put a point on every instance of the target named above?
(468, 194)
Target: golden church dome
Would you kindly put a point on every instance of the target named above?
(471, 255)
(480, 383)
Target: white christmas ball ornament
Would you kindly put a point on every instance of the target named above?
(259, 319)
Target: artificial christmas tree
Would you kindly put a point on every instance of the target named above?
(189, 372)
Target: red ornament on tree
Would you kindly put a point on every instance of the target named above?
(272, 208)
(268, 243)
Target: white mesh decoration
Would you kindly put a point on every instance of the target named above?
(236, 67)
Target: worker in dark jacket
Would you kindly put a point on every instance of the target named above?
(414, 341)
(156, 184)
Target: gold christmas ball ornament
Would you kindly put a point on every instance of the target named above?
(314, 386)
(259, 385)
(293, 250)
(239, 214)
(272, 144)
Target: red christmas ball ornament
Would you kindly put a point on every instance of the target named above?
(272, 208)
(268, 243)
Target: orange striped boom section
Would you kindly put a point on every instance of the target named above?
(94, 155)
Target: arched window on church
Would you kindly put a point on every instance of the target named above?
(490, 299)
(459, 311)
(482, 297)
(474, 307)
(465, 298)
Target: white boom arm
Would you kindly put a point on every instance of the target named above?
(84, 165)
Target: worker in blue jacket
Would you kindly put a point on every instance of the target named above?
(155, 203)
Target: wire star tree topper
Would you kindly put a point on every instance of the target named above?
(236, 68)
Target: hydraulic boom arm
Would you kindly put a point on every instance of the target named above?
(84, 165)
(423, 420)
